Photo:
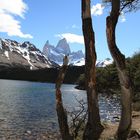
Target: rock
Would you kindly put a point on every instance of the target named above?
(134, 134)
(116, 118)
(28, 132)
(136, 106)
(135, 114)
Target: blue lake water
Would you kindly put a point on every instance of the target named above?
(30, 106)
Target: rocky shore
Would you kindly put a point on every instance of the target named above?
(29, 135)
(111, 129)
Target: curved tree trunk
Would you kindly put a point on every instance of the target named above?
(93, 127)
(61, 112)
(119, 58)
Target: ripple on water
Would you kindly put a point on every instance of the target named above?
(27, 109)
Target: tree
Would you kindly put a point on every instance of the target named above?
(61, 112)
(93, 127)
(111, 21)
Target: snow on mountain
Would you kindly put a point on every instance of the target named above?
(79, 62)
(104, 63)
(57, 53)
(24, 54)
(14, 54)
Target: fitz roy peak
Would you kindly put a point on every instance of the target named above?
(57, 53)
(63, 47)
(21, 55)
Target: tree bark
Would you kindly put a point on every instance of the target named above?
(93, 127)
(61, 112)
(119, 58)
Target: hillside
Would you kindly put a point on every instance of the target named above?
(22, 55)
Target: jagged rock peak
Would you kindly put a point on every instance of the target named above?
(63, 47)
(47, 42)
(57, 53)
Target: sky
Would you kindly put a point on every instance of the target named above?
(40, 20)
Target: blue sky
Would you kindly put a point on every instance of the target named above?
(40, 20)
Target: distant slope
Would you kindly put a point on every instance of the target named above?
(23, 55)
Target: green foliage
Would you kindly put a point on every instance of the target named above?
(81, 82)
(81, 79)
(107, 77)
(133, 65)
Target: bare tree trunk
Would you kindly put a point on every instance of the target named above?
(93, 127)
(61, 112)
(119, 58)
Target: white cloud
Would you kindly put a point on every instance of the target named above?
(97, 9)
(8, 23)
(72, 38)
(122, 17)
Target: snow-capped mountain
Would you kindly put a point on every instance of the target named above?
(102, 63)
(79, 62)
(14, 54)
(57, 53)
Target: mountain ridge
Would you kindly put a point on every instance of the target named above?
(62, 48)
(27, 55)
(15, 54)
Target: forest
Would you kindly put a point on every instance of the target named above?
(107, 78)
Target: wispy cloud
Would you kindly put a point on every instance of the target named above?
(97, 9)
(8, 24)
(122, 17)
(74, 26)
(72, 38)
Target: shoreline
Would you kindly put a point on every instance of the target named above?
(111, 129)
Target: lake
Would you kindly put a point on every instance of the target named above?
(29, 107)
